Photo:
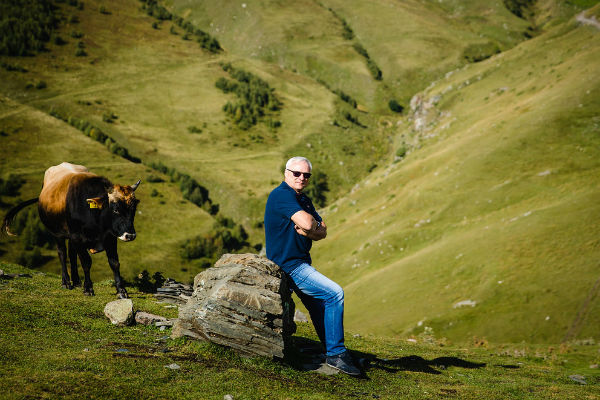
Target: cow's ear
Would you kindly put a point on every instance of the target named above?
(96, 202)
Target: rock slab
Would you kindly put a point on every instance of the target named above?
(244, 303)
(120, 312)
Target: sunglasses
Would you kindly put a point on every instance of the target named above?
(296, 174)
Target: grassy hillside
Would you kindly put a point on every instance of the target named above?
(58, 343)
(493, 203)
(482, 194)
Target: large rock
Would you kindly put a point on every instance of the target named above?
(243, 302)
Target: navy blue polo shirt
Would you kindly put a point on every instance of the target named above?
(285, 247)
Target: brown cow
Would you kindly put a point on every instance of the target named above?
(90, 212)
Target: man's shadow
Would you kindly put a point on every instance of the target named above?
(308, 357)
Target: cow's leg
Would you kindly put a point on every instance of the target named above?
(86, 265)
(73, 260)
(110, 245)
(62, 256)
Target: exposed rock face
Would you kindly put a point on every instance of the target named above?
(120, 312)
(243, 302)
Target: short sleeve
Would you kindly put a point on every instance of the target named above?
(287, 204)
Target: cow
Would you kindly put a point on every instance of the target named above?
(88, 211)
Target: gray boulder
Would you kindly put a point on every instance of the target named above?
(120, 312)
(243, 302)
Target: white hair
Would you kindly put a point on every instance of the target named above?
(295, 160)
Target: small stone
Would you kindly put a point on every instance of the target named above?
(578, 378)
(228, 397)
(357, 336)
(145, 318)
(299, 316)
(594, 366)
(122, 351)
(172, 366)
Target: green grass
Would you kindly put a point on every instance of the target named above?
(58, 343)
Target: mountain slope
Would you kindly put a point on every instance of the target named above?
(494, 206)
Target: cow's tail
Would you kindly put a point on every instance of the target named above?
(11, 215)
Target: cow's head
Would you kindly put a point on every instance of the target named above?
(122, 203)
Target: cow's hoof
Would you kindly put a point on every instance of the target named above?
(89, 292)
(122, 295)
(67, 286)
(77, 284)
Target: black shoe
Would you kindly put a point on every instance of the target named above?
(343, 362)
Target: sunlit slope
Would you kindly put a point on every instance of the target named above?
(498, 208)
(415, 42)
(159, 86)
(163, 221)
(412, 42)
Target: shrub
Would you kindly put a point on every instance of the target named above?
(401, 152)
(395, 106)
(59, 41)
(346, 98)
(480, 51)
(374, 70)
(154, 179)
(10, 185)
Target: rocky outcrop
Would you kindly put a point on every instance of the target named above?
(243, 302)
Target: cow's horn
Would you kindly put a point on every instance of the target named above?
(136, 185)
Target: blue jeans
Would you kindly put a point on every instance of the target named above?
(324, 300)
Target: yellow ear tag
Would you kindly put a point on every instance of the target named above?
(93, 204)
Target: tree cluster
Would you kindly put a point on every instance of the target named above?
(10, 185)
(33, 237)
(189, 187)
(255, 97)
(206, 41)
(225, 237)
(96, 133)
(371, 66)
(25, 26)
(317, 189)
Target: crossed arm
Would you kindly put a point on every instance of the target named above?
(307, 225)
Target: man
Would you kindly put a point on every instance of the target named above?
(291, 225)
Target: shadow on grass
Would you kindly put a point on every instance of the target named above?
(308, 356)
(415, 363)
